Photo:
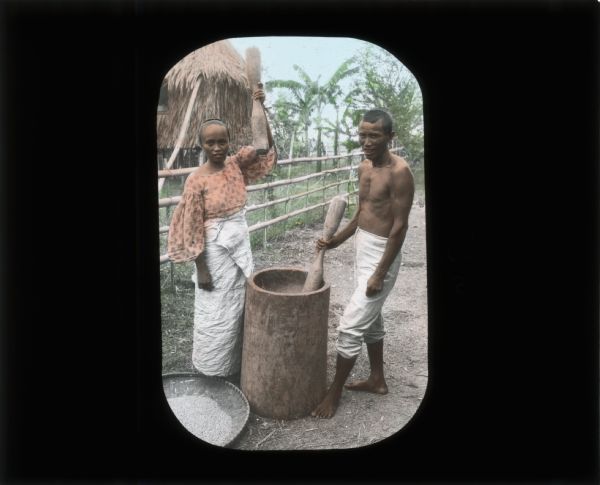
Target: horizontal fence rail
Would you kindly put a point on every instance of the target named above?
(185, 171)
(174, 200)
(303, 178)
(295, 196)
(271, 203)
(168, 201)
(261, 225)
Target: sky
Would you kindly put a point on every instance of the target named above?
(316, 55)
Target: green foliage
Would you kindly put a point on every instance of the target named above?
(299, 107)
(379, 80)
(331, 94)
(305, 104)
(387, 84)
(285, 126)
(346, 120)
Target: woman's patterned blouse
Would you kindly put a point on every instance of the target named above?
(210, 196)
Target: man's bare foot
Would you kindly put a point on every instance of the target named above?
(328, 406)
(368, 385)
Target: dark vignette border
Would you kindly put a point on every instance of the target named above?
(512, 241)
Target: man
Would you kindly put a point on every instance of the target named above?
(386, 189)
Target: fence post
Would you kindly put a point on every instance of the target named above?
(265, 218)
(350, 157)
(323, 195)
(172, 270)
(287, 193)
(306, 203)
(171, 265)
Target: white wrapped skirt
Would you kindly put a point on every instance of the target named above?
(362, 319)
(219, 313)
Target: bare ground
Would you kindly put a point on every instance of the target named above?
(362, 418)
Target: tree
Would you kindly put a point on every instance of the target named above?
(386, 83)
(302, 103)
(345, 123)
(285, 125)
(330, 94)
(311, 97)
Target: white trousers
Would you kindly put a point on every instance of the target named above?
(219, 313)
(362, 319)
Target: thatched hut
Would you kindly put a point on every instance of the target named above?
(217, 73)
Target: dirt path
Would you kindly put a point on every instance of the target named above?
(361, 418)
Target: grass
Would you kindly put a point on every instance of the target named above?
(177, 311)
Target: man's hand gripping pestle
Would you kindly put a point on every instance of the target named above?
(314, 279)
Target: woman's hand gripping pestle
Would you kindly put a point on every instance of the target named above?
(258, 120)
(336, 210)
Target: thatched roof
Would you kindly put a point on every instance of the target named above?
(223, 93)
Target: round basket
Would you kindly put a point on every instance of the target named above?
(227, 398)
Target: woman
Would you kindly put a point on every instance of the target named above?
(209, 227)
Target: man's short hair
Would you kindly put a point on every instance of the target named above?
(374, 115)
(211, 121)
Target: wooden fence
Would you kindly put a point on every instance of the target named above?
(352, 159)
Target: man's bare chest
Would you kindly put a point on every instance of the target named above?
(374, 185)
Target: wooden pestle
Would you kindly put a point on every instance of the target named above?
(314, 278)
(260, 139)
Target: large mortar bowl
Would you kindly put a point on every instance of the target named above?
(284, 357)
